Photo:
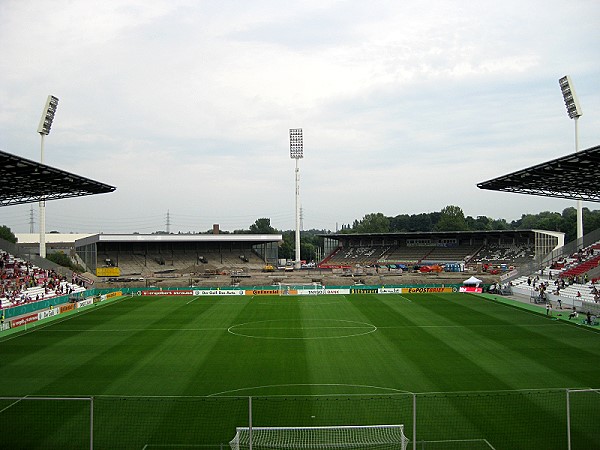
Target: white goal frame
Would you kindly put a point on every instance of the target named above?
(300, 288)
(384, 437)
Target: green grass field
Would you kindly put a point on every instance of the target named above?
(176, 372)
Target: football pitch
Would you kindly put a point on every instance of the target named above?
(459, 371)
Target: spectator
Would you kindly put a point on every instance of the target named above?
(17, 277)
(573, 314)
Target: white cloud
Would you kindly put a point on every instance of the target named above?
(185, 106)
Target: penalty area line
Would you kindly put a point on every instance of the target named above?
(195, 298)
(12, 404)
(151, 446)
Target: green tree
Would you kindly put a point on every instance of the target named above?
(569, 223)
(420, 222)
(62, 259)
(262, 226)
(452, 218)
(400, 223)
(546, 220)
(307, 251)
(499, 224)
(7, 234)
(286, 249)
(481, 223)
(591, 220)
(373, 223)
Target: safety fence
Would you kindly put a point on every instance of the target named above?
(501, 420)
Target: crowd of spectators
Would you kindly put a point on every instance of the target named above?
(22, 282)
(575, 267)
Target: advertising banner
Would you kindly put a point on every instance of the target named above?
(263, 292)
(426, 290)
(311, 292)
(288, 291)
(86, 302)
(337, 291)
(371, 290)
(384, 290)
(66, 307)
(99, 298)
(472, 289)
(23, 320)
(48, 313)
(200, 292)
(114, 294)
(108, 272)
(168, 292)
(512, 273)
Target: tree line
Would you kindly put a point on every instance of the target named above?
(450, 218)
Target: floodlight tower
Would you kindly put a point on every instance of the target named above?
(44, 130)
(574, 111)
(296, 152)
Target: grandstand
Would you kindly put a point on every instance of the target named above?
(149, 255)
(22, 282)
(505, 254)
(25, 280)
(468, 249)
(579, 266)
(407, 256)
(571, 280)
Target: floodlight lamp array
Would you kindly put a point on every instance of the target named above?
(296, 143)
(48, 115)
(571, 101)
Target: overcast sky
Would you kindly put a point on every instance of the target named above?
(185, 106)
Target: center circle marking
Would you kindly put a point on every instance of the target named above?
(284, 329)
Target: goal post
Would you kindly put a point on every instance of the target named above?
(380, 437)
(300, 289)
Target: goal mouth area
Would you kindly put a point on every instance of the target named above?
(321, 437)
(456, 444)
(300, 289)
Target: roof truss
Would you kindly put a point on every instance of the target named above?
(26, 181)
(575, 176)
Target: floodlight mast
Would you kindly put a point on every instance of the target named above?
(574, 111)
(44, 130)
(297, 152)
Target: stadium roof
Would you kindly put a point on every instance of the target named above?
(575, 176)
(172, 238)
(436, 234)
(26, 181)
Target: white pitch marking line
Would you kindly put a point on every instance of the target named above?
(195, 298)
(12, 404)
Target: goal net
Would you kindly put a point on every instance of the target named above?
(383, 437)
(301, 289)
